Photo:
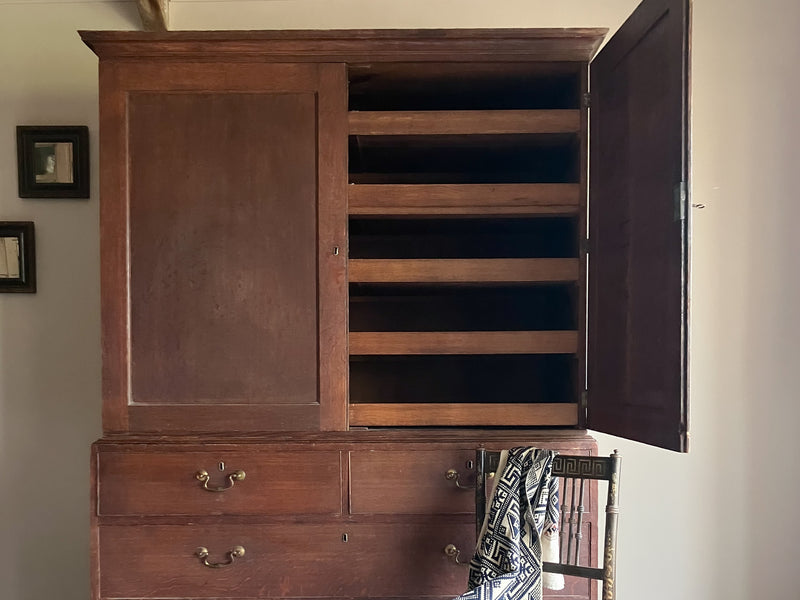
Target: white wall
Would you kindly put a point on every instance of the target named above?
(719, 523)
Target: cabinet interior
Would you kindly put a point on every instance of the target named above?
(464, 253)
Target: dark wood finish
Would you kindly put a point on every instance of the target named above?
(293, 560)
(638, 283)
(463, 342)
(477, 270)
(200, 418)
(275, 483)
(463, 122)
(222, 258)
(332, 241)
(464, 415)
(291, 252)
(114, 285)
(356, 46)
(415, 481)
(472, 199)
(479, 204)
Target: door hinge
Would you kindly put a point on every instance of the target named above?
(587, 100)
(584, 246)
(585, 405)
(679, 194)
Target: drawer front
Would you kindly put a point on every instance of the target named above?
(388, 560)
(275, 483)
(412, 482)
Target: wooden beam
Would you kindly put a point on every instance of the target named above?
(154, 14)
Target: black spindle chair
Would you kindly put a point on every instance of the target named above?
(576, 474)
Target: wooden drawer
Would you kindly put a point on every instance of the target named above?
(275, 483)
(390, 560)
(411, 482)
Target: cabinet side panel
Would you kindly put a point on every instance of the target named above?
(114, 249)
(223, 248)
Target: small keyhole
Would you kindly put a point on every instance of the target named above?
(344, 538)
(221, 466)
(336, 250)
(470, 464)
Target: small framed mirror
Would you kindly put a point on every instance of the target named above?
(53, 161)
(17, 257)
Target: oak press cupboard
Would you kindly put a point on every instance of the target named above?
(335, 263)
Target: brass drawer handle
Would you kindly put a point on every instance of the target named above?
(203, 477)
(452, 552)
(453, 475)
(233, 554)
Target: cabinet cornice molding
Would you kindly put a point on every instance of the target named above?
(365, 45)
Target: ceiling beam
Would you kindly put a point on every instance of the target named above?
(154, 14)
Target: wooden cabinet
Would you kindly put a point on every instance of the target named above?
(222, 309)
(336, 263)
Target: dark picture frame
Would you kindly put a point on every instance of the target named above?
(53, 161)
(17, 257)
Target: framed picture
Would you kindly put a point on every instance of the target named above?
(17, 257)
(53, 161)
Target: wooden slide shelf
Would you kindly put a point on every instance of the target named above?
(464, 122)
(460, 270)
(462, 342)
(454, 415)
(515, 199)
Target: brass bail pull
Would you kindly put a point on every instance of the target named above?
(203, 477)
(232, 554)
(454, 476)
(454, 553)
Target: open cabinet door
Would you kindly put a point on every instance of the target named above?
(639, 229)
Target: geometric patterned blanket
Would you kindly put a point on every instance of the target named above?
(523, 508)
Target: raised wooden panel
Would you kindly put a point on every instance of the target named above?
(165, 483)
(223, 248)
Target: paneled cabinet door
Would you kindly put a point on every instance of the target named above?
(223, 293)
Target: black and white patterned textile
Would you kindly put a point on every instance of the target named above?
(523, 508)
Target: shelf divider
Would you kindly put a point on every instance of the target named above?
(463, 270)
(484, 414)
(463, 122)
(383, 343)
(515, 199)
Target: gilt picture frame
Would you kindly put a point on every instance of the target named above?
(53, 161)
(17, 257)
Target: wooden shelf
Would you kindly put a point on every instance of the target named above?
(454, 415)
(515, 199)
(463, 122)
(478, 270)
(385, 343)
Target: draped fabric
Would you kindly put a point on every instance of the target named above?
(522, 510)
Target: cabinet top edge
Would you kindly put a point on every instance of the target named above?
(354, 437)
(357, 45)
